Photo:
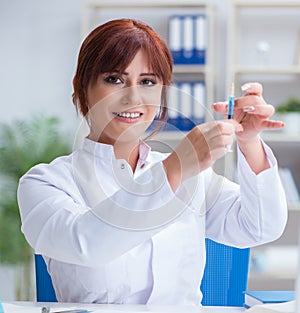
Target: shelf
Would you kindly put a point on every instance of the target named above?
(294, 206)
(267, 4)
(276, 70)
(193, 69)
(268, 283)
(141, 8)
(285, 275)
(145, 4)
(280, 136)
(275, 23)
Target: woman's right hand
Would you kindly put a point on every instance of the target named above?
(201, 147)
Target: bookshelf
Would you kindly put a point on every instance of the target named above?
(264, 45)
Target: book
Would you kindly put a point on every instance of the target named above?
(254, 297)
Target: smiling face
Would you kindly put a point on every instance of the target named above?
(122, 105)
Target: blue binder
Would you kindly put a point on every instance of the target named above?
(187, 107)
(187, 38)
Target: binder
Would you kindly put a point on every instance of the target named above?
(185, 106)
(173, 108)
(175, 35)
(200, 38)
(199, 105)
(187, 38)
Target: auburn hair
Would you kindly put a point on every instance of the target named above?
(114, 45)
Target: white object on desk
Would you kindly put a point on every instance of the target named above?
(35, 307)
(285, 307)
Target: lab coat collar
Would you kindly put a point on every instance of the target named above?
(105, 151)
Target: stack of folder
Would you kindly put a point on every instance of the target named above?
(186, 105)
(187, 38)
(187, 42)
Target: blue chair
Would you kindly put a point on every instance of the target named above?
(44, 287)
(225, 276)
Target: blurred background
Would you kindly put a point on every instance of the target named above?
(40, 41)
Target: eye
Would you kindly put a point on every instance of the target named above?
(112, 79)
(148, 82)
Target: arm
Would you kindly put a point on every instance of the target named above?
(251, 213)
(257, 210)
(57, 222)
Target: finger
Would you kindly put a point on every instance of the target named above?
(218, 153)
(252, 88)
(270, 124)
(217, 128)
(250, 100)
(220, 107)
(220, 142)
(265, 110)
(237, 126)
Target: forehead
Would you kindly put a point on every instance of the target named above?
(140, 63)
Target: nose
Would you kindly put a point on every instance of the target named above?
(131, 96)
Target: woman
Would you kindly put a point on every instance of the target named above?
(119, 223)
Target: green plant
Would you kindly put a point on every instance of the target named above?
(23, 144)
(292, 104)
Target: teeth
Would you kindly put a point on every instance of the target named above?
(129, 115)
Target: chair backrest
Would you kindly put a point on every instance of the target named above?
(44, 288)
(225, 276)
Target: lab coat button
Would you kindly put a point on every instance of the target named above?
(122, 166)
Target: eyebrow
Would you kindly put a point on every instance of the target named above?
(142, 74)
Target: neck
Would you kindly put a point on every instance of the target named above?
(128, 151)
(124, 149)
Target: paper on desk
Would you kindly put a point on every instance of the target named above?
(36, 308)
(14, 308)
(285, 307)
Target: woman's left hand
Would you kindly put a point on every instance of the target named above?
(252, 112)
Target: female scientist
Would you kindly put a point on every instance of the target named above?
(119, 223)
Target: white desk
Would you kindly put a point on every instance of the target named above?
(35, 307)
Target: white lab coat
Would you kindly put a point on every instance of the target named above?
(112, 236)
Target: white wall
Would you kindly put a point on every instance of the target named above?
(38, 50)
(39, 46)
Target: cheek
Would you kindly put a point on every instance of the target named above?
(152, 96)
(150, 112)
(97, 94)
(95, 99)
